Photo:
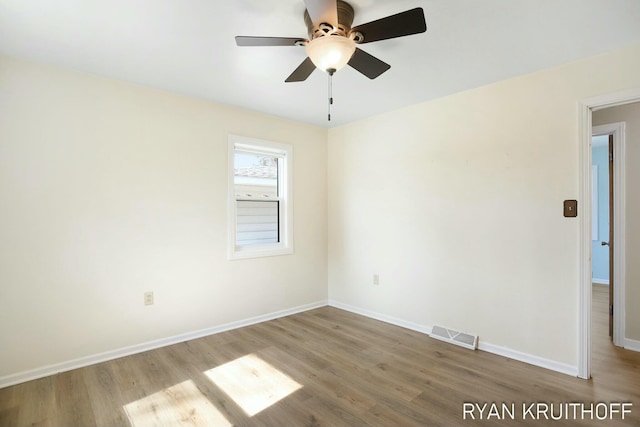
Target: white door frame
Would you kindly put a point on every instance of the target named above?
(586, 108)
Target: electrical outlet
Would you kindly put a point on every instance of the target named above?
(148, 298)
(376, 279)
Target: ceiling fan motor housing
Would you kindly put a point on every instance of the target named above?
(345, 20)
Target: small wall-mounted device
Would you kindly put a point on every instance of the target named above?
(148, 298)
(570, 208)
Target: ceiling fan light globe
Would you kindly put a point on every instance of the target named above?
(330, 52)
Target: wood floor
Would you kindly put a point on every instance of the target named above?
(325, 367)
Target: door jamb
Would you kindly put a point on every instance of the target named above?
(586, 107)
(619, 226)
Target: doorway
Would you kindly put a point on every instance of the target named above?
(587, 107)
(603, 216)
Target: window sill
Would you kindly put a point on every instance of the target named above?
(260, 252)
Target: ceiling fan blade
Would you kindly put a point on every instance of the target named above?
(367, 64)
(323, 11)
(398, 25)
(267, 41)
(303, 71)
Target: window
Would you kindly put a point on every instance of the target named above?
(260, 205)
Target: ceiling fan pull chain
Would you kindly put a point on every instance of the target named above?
(330, 71)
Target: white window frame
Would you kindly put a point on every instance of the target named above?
(285, 192)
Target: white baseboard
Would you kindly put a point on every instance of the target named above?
(600, 281)
(382, 317)
(484, 346)
(529, 358)
(630, 344)
(44, 371)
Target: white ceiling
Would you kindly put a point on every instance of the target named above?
(188, 47)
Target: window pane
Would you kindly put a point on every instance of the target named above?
(255, 176)
(257, 222)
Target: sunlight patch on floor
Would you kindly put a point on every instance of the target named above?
(252, 383)
(180, 405)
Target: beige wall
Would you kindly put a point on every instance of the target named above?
(630, 114)
(108, 190)
(457, 205)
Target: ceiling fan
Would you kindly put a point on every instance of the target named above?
(332, 41)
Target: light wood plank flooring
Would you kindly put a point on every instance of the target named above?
(325, 367)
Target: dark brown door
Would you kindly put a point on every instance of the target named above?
(611, 236)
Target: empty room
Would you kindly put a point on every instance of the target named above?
(319, 213)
